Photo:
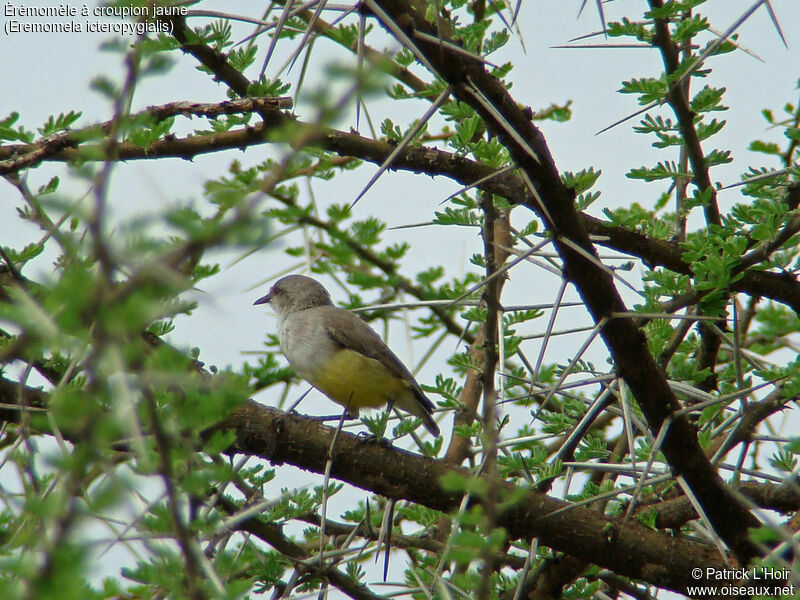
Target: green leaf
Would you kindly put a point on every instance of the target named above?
(9, 132)
(648, 89)
(664, 170)
(708, 99)
(60, 123)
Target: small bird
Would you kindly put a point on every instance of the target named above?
(339, 354)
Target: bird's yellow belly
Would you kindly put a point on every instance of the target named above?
(349, 378)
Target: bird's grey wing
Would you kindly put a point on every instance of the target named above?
(349, 331)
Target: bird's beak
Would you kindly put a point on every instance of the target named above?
(263, 300)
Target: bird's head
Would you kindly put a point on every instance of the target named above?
(295, 292)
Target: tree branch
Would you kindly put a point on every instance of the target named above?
(627, 344)
(652, 251)
(632, 550)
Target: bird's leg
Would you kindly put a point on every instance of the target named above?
(346, 414)
(389, 408)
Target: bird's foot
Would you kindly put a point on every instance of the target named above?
(368, 436)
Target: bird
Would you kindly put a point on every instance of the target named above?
(339, 354)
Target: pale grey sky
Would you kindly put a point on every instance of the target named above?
(46, 74)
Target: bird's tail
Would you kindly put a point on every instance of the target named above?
(420, 406)
(430, 424)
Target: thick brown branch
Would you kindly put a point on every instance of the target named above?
(491, 299)
(431, 161)
(632, 550)
(676, 512)
(679, 102)
(472, 84)
(654, 252)
(678, 99)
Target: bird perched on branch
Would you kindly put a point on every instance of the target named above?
(339, 354)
